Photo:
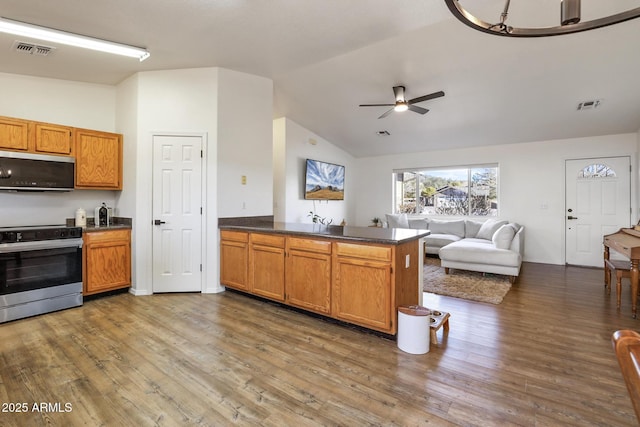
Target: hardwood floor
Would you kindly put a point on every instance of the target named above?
(541, 358)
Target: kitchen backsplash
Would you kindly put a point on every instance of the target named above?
(49, 208)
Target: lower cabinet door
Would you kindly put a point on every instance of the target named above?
(109, 266)
(309, 281)
(234, 264)
(267, 272)
(362, 293)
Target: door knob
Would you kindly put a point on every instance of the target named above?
(572, 217)
(158, 222)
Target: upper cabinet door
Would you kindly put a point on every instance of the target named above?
(14, 134)
(52, 139)
(98, 160)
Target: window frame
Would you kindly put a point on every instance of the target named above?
(418, 172)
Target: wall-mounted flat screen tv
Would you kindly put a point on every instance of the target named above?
(323, 181)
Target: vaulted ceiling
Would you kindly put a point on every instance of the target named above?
(328, 56)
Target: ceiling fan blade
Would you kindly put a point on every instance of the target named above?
(398, 92)
(426, 97)
(376, 105)
(386, 113)
(417, 109)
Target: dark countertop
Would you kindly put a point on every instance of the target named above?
(392, 236)
(118, 223)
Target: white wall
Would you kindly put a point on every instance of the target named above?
(174, 101)
(293, 144)
(127, 119)
(531, 175)
(62, 102)
(234, 111)
(245, 144)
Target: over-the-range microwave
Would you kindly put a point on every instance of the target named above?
(35, 172)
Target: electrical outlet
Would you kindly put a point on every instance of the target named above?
(243, 180)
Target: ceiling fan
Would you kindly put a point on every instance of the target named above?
(404, 105)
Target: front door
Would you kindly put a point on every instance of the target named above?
(177, 213)
(598, 202)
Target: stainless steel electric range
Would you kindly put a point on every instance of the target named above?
(40, 270)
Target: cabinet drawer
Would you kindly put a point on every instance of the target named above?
(236, 236)
(320, 246)
(267, 240)
(378, 253)
(106, 236)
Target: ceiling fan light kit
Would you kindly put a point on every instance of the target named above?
(22, 29)
(569, 20)
(400, 107)
(402, 104)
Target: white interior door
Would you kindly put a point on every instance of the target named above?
(598, 193)
(177, 213)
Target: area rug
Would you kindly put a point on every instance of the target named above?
(463, 284)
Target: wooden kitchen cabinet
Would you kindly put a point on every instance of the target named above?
(266, 265)
(14, 134)
(356, 281)
(308, 274)
(106, 257)
(35, 137)
(51, 139)
(363, 289)
(234, 259)
(98, 159)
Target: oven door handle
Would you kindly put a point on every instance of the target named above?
(40, 245)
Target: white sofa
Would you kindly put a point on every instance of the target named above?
(491, 246)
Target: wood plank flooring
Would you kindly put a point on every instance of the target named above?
(541, 358)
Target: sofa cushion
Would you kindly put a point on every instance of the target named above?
(479, 251)
(440, 240)
(488, 228)
(419, 223)
(471, 228)
(503, 236)
(397, 220)
(455, 227)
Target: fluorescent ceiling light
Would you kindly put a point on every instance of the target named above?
(41, 33)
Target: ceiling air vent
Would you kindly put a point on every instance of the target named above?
(588, 105)
(32, 49)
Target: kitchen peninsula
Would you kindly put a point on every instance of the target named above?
(359, 275)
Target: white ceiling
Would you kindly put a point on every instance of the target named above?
(328, 56)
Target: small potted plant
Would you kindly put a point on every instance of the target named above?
(376, 221)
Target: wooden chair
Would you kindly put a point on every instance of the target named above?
(621, 269)
(627, 347)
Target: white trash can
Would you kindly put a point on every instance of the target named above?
(413, 329)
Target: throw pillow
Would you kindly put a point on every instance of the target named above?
(488, 229)
(471, 228)
(503, 236)
(397, 220)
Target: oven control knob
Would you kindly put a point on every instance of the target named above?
(63, 233)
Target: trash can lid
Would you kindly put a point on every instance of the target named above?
(414, 310)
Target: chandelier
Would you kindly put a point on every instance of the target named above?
(569, 20)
